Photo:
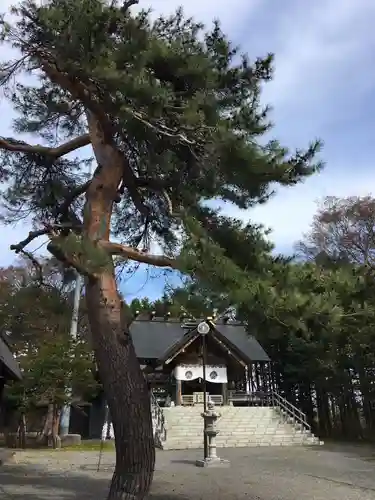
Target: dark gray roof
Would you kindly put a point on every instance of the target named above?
(152, 338)
(11, 366)
(244, 342)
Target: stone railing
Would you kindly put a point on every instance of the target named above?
(197, 398)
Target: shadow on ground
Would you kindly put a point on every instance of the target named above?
(365, 451)
(269, 473)
(184, 462)
(20, 482)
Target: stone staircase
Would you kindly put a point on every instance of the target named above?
(182, 427)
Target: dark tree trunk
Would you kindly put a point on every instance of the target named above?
(324, 417)
(22, 431)
(365, 384)
(333, 409)
(355, 424)
(125, 389)
(305, 402)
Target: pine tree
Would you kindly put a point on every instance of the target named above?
(314, 319)
(173, 116)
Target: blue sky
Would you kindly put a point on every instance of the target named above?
(324, 87)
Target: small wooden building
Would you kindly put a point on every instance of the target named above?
(171, 353)
(9, 370)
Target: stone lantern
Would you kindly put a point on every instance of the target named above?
(210, 417)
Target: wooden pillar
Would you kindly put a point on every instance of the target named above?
(224, 388)
(2, 405)
(247, 380)
(178, 393)
(2, 386)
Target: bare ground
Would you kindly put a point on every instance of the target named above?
(316, 473)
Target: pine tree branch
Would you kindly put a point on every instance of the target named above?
(70, 261)
(77, 89)
(49, 230)
(19, 248)
(64, 149)
(86, 93)
(127, 4)
(131, 253)
(71, 197)
(38, 266)
(30, 237)
(158, 186)
(107, 152)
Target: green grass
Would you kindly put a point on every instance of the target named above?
(86, 445)
(91, 446)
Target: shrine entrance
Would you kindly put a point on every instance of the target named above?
(189, 378)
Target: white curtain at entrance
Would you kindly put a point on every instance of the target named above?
(214, 373)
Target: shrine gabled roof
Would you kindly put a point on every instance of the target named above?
(8, 364)
(153, 338)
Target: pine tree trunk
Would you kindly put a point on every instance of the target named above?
(124, 385)
(22, 431)
(126, 391)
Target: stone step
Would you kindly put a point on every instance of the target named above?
(249, 414)
(222, 439)
(245, 441)
(224, 423)
(237, 432)
(178, 445)
(242, 428)
(226, 413)
(237, 426)
(184, 446)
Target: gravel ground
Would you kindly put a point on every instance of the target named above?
(317, 473)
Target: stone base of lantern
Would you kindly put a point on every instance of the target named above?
(212, 462)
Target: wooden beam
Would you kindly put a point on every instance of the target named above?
(223, 346)
(183, 348)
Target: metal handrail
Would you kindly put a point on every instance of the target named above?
(256, 398)
(294, 412)
(160, 431)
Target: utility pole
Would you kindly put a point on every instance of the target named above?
(65, 414)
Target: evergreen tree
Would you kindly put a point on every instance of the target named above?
(315, 320)
(173, 117)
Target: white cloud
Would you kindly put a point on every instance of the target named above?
(229, 13)
(322, 82)
(290, 213)
(323, 49)
(322, 79)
